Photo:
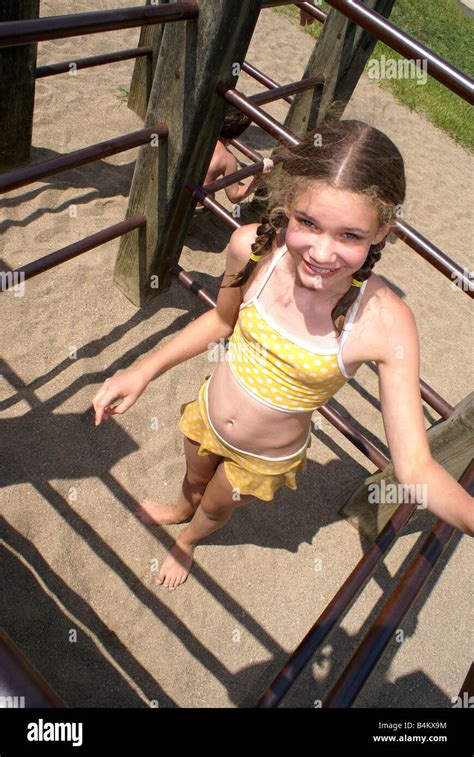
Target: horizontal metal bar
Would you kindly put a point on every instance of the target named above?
(256, 114)
(438, 259)
(358, 440)
(236, 176)
(23, 176)
(262, 78)
(189, 283)
(71, 251)
(408, 46)
(362, 662)
(307, 6)
(246, 150)
(278, 93)
(25, 32)
(95, 60)
(214, 206)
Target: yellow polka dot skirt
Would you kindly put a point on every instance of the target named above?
(245, 472)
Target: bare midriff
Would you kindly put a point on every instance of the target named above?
(248, 424)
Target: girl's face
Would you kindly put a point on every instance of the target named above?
(328, 237)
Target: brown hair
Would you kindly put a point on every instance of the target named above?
(235, 123)
(345, 154)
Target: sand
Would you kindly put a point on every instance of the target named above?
(78, 567)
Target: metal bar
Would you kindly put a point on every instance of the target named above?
(236, 176)
(214, 206)
(73, 250)
(278, 93)
(435, 400)
(23, 176)
(308, 7)
(408, 46)
(266, 122)
(362, 662)
(259, 76)
(358, 440)
(189, 283)
(435, 256)
(336, 608)
(95, 60)
(246, 150)
(20, 675)
(14, 33)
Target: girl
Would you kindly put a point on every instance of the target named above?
(304, 311)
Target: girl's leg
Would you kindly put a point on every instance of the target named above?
(217, 506)
(199, 471)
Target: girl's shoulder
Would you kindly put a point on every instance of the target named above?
(379, 310)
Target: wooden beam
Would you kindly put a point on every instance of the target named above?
(144, 69)
(194, 57)
(340, 54)
(17, 89)
(451, 442)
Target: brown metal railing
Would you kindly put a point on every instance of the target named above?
(71, 251)
(38, 171)
(361, 664)
(308, 7)
(408, 46)
(95, 60)
(13, 33)
(262, 78)
(404, 44)
(351, 681)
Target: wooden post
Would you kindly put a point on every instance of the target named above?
(194, 57)
(451, 443)
(17, 89)
(340, 54)
(144, 69)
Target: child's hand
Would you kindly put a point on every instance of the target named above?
(306, 19)
(127, 387)
(268, 164)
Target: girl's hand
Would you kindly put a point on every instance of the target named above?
(126, 387)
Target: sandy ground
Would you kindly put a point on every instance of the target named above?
(78, 567)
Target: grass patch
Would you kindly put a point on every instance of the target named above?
(443, 27)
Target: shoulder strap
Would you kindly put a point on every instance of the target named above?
(269, 272)
(349, 320)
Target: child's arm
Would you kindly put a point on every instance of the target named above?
(402, 413)
(194, 339)
(236, 192)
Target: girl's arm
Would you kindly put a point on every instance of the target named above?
(236, 192)
(402, 413)
(194, 339)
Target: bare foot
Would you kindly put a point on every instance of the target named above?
(176, 566)
(160, 512)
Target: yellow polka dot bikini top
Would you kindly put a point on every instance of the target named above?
(277, 369)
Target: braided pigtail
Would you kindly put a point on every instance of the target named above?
(263, 245)
(339, 310)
